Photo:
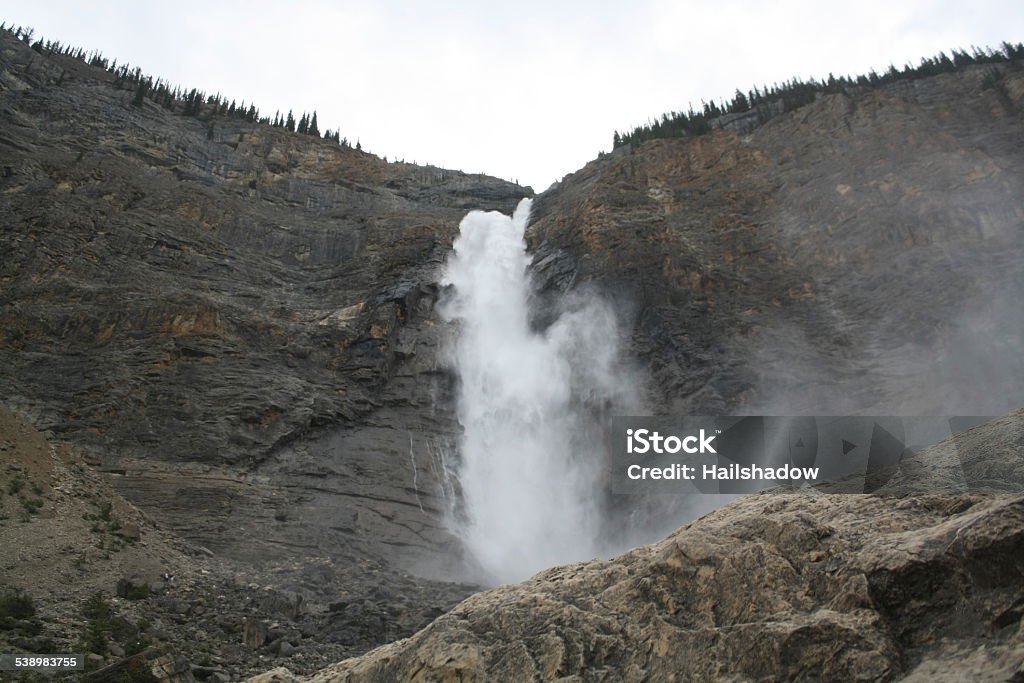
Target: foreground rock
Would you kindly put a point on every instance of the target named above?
(771, 587)
(786, 587)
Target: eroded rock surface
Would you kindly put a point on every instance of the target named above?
(71, 537)
(775, 586)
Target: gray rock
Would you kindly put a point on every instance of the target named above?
(773, 586)
(281, 604)
(133, 588)
(254, 633)
(171, 668)
(206, 672)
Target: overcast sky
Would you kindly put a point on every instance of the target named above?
(526, 90)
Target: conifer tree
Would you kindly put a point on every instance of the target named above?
(140, 93)
(740, 103)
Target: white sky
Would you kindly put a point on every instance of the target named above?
(527, 90)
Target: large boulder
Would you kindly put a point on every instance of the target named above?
(774, 586)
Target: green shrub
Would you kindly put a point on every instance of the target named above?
(96, 608)
(137, 592)
(136, 645)
(94, 639)
(16, 604)
(97, 611)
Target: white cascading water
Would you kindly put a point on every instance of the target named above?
(529, 464)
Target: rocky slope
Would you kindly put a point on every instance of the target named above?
(772, 587)
(100, 577)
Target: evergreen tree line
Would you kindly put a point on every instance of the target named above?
(771, 101)
(192, 102)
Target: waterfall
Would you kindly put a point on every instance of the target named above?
(530, 460)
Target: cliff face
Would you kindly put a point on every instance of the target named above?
(859, 254)
(233, 319)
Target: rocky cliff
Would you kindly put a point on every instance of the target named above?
(233, 326)
(860, 254)
(234, 320)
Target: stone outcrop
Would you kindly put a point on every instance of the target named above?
(776, 586)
